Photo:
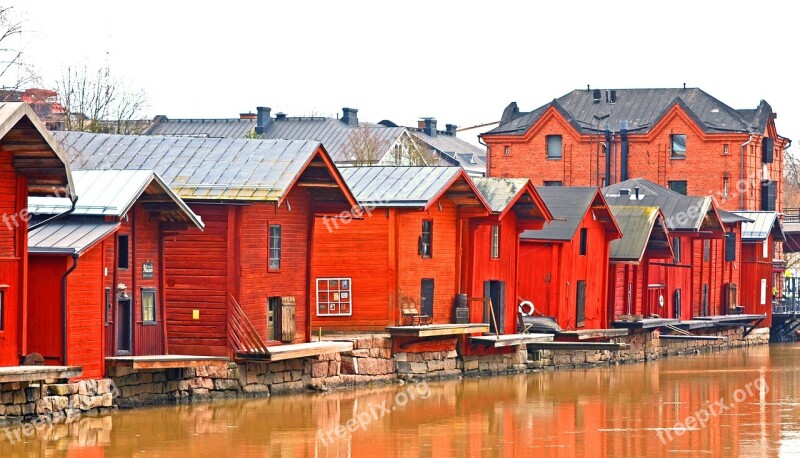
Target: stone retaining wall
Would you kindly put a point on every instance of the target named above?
(24, 401)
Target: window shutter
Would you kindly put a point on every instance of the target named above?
(767, 150)
(768, 195)
(730, 247)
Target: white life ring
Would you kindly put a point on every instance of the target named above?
(526, 305)
(661, 300)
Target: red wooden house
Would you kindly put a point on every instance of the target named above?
(563, 268)
(243, 283)
(635, 258)
(407, 248)
(31, 164)
(96, 286)
(759, 273)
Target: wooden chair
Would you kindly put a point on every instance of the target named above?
(410, 311)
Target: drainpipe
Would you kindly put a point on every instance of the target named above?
(488, 157)
(741, 171)
(74, 201)
(64, 306)
(608, 158)
(623, 173)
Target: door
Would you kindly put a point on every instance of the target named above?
(426, 297)
(704, 303)
(676, 304)
(496, 291)
(124, 326)
(580, 304)
(274, 318)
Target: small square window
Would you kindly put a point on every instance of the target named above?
(554, 147)
(678, 146)
(726, 149)
(507, 151)
(679, 186)
(554, 183)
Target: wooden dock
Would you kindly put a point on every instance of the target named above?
(586, 334)
(301, 350)
(435, 330)
(690, 337)
(647, 323)
(166, 361)
(508, 340)
(612, 346)
(37, 373)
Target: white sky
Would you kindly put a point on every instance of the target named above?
(461, 62)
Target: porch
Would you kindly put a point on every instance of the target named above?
(166, 362)
(59, 374)
(296, 351)
(438, 330)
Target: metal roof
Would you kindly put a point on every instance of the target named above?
(732, 218)
(637, 224)
(472, 158)
(499, 192)
(681, 212)
(398, 186)
(569, 205)
(69, 237)
(198, 168)
(640, 109)
(762, 224)
(208, 128)
(111, 193)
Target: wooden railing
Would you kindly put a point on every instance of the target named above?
(242, 335)
(791, 215)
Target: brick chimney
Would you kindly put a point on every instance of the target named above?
(451, 129)
(429, 126)
(248, 116)
(263, 119)
(350, 116)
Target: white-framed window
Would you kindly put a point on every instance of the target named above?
(495, 248)
(507, 151)
(334, 296)
(765, 249)
(678, 146)
(275, 242)
(554, 146)
(725, 186)
(149, 306)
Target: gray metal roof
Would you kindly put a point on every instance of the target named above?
(198, 168)
(208, 128)
(681, 212)
(641, 109)
(762, 224)
(569, 205)
(111, 193)
(472, 158)
(396, 186)
(68, 237)
(731, 217)
(499, 192)
(637, 224)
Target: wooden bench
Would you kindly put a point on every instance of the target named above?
(410, 311)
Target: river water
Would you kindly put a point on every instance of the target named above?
(742, 402)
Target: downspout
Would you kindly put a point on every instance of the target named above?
(623, 172)
(608, 158)
(64, 306)
(73, 200)
(488, 157)
(741, 171)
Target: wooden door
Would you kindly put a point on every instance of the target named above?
(287, 318)
(124, 326)
(580, 304)
(426, 297)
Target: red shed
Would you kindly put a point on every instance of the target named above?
(758, 271)
(406, 249)
(243, 283)
(31, 163)
(96, 278)
(563, 268)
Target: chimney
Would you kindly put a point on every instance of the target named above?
(451, 129)
(612, 96)
(429, 126)
(247, 116)
(636, 189)
(280, 116)
(596, 95)
(263, 119)
(350, 116)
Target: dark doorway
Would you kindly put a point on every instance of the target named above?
(580, 304)
(496, 291)
(676, 304)
(426, 297)
(274, 318)
(704, 299)
(124, 326)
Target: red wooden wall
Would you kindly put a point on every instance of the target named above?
(45, 326)
(755, 268)
(13, 262)
(85, 317)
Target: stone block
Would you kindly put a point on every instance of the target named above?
(61, 389)
(226, 384)
(403, 367)
(435, 365)
(333, 368)
(419, 368)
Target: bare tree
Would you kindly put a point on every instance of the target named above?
(15, 72)
(97, 102)
(365, 146)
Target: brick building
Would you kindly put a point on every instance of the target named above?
(683, 139)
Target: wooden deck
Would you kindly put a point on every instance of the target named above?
(647, 323)
(434, 330)
(585, 334)
(508, 340)
(166, 361)
(301, 350)
(695, 324)
(37, 373)
(692, 337)
(613, 346)
(732, 320)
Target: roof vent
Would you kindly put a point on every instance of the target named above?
(612, 96)
(596, 95)
(451, 129)
(280, 116)
(636, 190)
(624, 192)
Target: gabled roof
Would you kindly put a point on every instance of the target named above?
(642, 228)
(113, 193)
(731, 217)
(206, 168)
(761, 225)
(505, 194)
(640, 110)
(691, 213)
(36, 154)
(70, 236)
(472, 158)
(414, 187)
(569, 205)
(205, 128)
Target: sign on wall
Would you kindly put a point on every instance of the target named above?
(148, 269)
(334, 297)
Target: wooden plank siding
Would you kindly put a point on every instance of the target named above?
(85, 314)
(45, 328)
(13, 262)
(755, 269)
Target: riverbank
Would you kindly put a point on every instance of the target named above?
(374, 359)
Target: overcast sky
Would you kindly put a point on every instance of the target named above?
(461, 62)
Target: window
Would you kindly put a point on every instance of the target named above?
(678, 146)
(554, 150)
(554, 183)
(584, 236)
(122, 252)
(706, 250)
(426, 239)
(334, 297)
(275, 247)
(507, 151)
(148, 306)
(768, 194)
(725, 186)
(676, 248)
(730, 247)
(726, 149)
(109, 304)
(765, 249)
(495, 241)
(679, 186)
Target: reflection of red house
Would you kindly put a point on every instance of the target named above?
(563, 268)
(406, 248)
(31, 164)
(114, 237)
(758, 251)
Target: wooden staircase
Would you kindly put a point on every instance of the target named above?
(242, 335)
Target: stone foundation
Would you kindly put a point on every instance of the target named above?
(429, 365)
(506, 363)
(53, 403)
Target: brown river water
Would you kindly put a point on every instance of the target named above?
(742, 402)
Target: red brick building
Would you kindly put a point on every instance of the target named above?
(683, 139)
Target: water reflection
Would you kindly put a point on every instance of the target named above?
(626, 411)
